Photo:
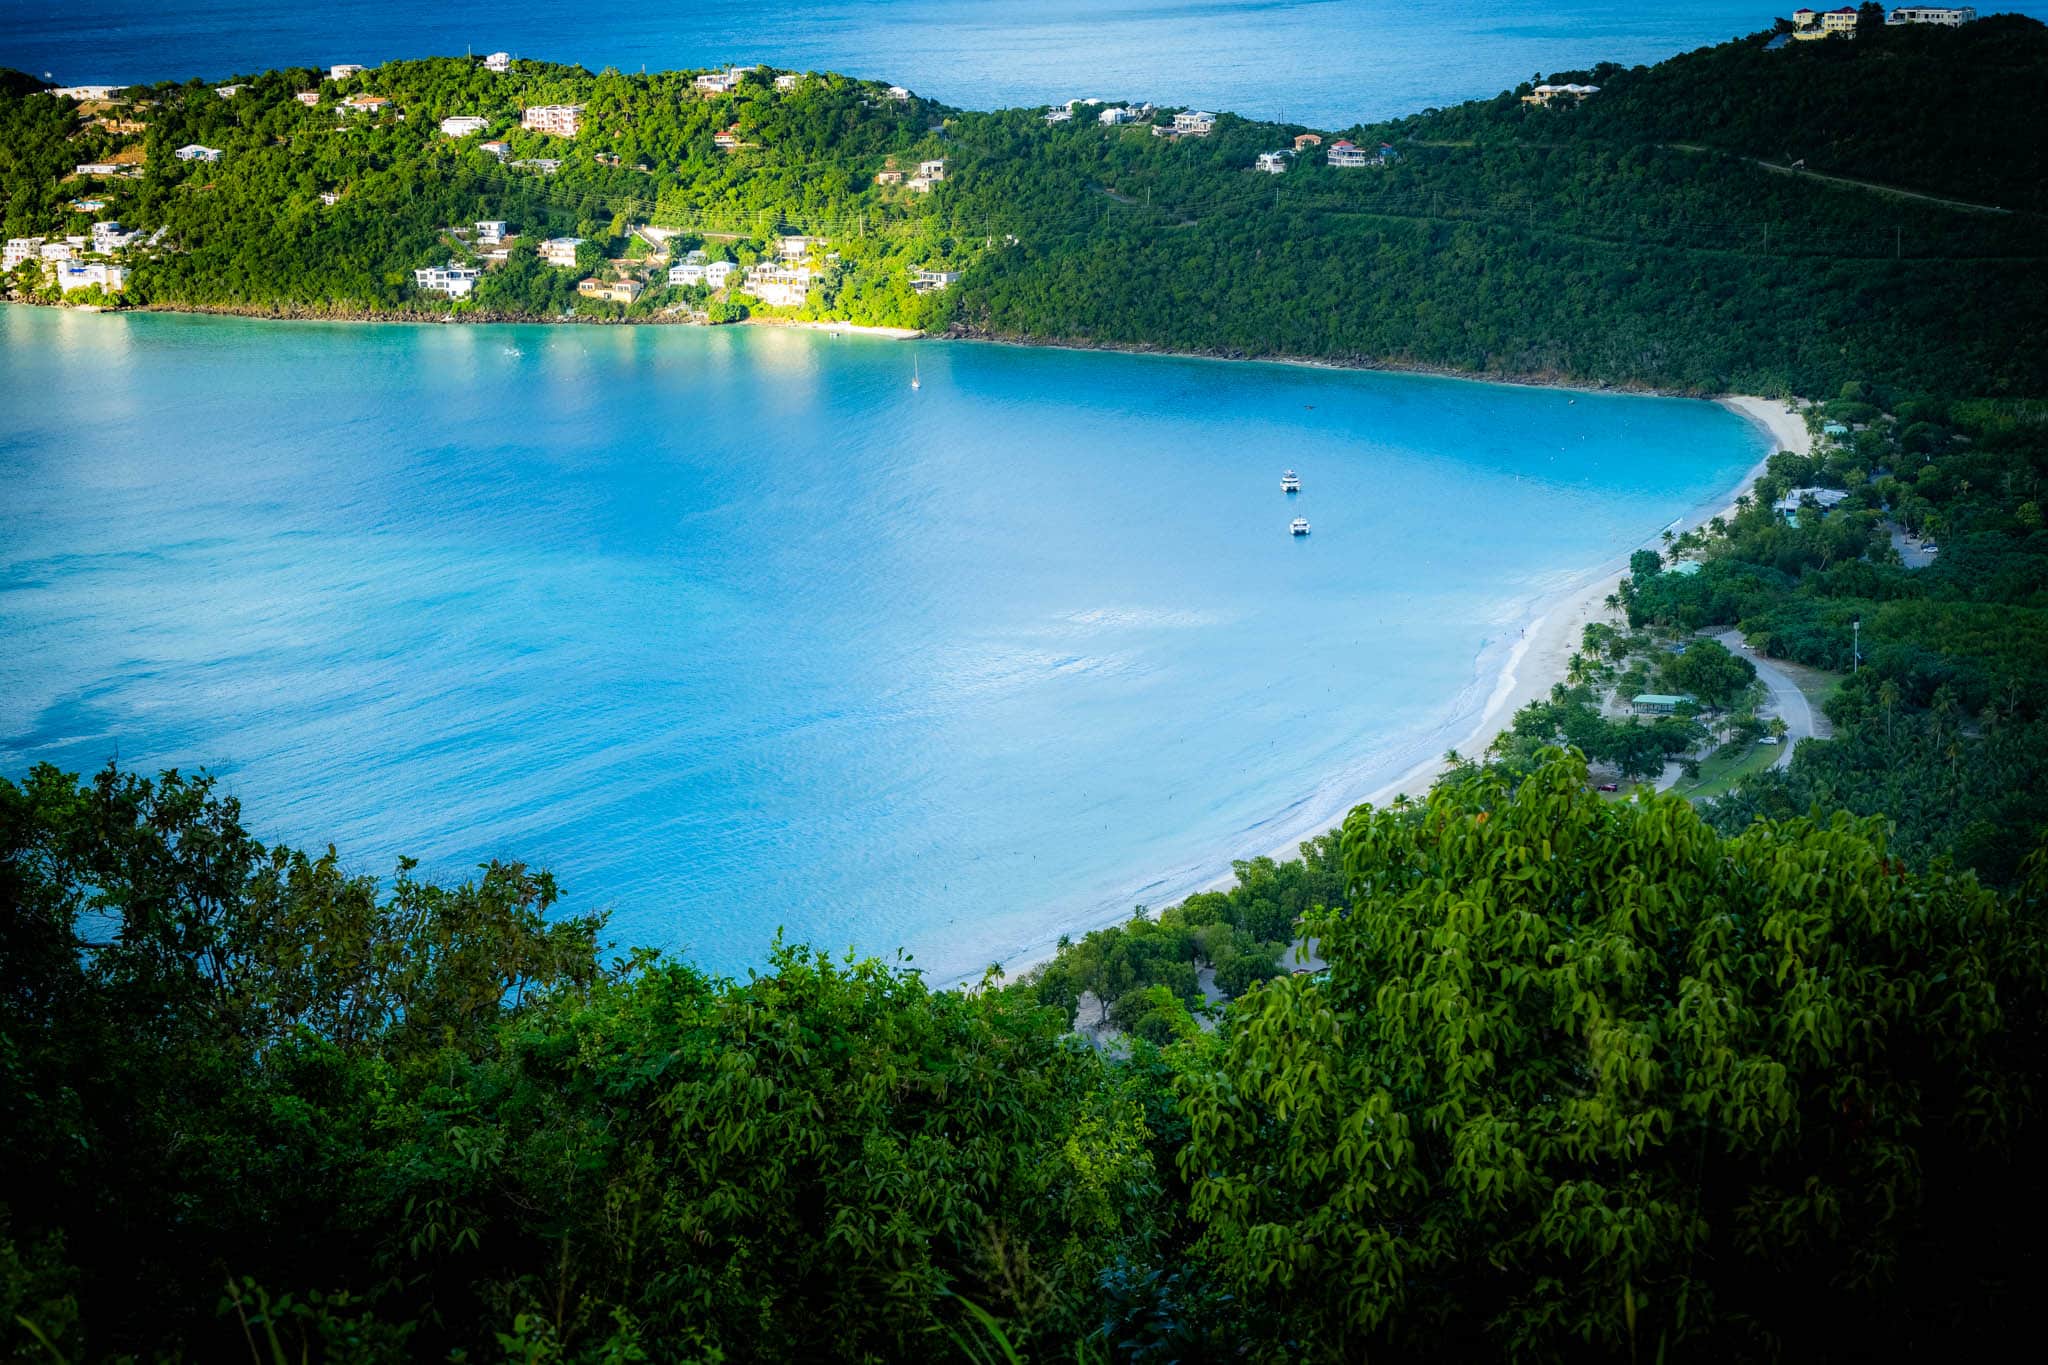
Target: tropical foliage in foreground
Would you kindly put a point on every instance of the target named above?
(1583, 1079)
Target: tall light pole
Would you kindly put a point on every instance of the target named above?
(1856, 645)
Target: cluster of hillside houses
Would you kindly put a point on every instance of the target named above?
(1809, 25)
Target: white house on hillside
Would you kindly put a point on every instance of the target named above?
(84, 94)
(562, 120)
(85, 274)
(451, 279)
(560, 250)
(500, 62)
(490, 231)
(192, 151)
(1194, 123)
(341, 71)
(464, 125)
(930, 281)
(1272, 163)
(1931, 14)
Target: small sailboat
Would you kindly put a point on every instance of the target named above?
(1290, 482)
(1300, 526)
(915, 383)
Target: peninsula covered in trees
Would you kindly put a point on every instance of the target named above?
(1754, 1075)
(1730, 220)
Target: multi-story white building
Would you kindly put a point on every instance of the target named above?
(500, 62)
(796, 248)
(899, 94)
(779, 286)
(562, 120)
(464, 125)
(722, 82)
(456, 281)
(87, 94)
(19, 249)
(1347, 155)
(500, 150)
(341, 71)
(930, 281)
(1272, 163)
(560, 250)
(193, 151)
(788, 80)
(309, 98)
(1194, 123)
(110, 236)
(85, 274)
(57, 251)
(1931, 14)
(1835, 23)
(490, 231)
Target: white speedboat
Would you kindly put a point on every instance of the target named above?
(1290, 482)
(1300, 526)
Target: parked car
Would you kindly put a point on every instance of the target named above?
(1610, 787)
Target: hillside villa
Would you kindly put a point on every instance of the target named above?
(500, 62)
(1931, 14)
(560, 250)
(193, 151)
(560, 120)
(931, 281)
(1545, 95)
(452, 279)
(463, 125)
(611, 291)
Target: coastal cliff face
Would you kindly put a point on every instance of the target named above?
(1653, 235)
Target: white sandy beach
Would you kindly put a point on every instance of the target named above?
(1540, 657)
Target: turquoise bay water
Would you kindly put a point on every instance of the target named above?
(734, 630)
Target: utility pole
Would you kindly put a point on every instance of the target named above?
(1856, 645)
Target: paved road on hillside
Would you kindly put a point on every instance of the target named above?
(1786, 698)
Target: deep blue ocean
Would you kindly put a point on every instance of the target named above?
(1325, 62)
(734, 630)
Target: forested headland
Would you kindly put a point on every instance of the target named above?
(1726, 221)
(1579, 1075)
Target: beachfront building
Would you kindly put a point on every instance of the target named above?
(490, 231)
(779, 286)
(931, 281)
(341, 71)
(309, 98)
(560, 250)
(1658, 703)
(611, 291)
(88, 94)
(1272, 163)
(500, 62)
(560, 120)
(19, 249)
(57, 252)
(365, 104)
(1547, 95)
(1795, 499)
(451, 279)
(193, 151)
(1194, 123)
(464, 125)
(85, 274)
(1931, 14)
